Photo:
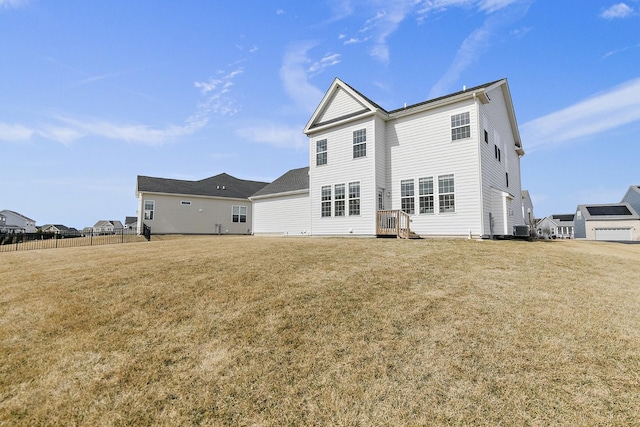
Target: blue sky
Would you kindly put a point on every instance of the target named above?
(93, 94)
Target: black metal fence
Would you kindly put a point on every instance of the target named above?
(26, 241)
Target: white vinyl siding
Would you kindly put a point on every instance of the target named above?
(341, 104)
(285, 214)
(419, 146)
(493, 171)
(344, 169)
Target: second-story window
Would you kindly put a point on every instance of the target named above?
(321, 152)
(460, 127)
(359, 143)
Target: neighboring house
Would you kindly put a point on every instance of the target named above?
(131, 223)
(108, 227)
(283, 207)
(614, 222)
(17, 223)
(216, 205)
(560, 226)
(59, 229)
(445, 167)
(632, 196)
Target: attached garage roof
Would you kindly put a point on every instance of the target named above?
(294, 180)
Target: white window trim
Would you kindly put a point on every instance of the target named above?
(145, 210)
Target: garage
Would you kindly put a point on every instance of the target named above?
(613, 233)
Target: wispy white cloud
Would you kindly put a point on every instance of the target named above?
(480, 40)
(12, 4)
(620, 10)
(64, 135)
(378, 29)
(14, 133)
(616, 107)
(216, 99)
(294, 76)
(487, 6)
(275, 134)
(133, 133)
(328, 60)
(617, 51)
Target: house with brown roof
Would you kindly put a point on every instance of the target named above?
(216, 205)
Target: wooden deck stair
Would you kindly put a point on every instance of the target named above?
(394, 223)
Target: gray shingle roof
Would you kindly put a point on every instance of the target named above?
(222, 185)
(295, 179)
(451, 95)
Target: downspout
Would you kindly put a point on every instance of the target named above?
(479, 148)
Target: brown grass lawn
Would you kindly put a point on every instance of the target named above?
(313, 331)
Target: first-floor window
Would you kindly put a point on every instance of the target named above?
(446, 196)
(425, 191)
(354, 198)
(339, 209)
(239, 214)
(149, 208)
(407, 201)
(325, 209)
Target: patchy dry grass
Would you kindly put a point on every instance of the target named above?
(275, 331)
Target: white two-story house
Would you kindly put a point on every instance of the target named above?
(449, 166)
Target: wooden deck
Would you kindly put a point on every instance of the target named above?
(394, 223)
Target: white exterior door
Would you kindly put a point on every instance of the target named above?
(613, 233)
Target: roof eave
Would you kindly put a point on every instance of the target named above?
(281, 194)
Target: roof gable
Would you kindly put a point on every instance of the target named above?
(341, 103)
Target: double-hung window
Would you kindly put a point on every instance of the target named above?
(446, 194)
(354, 198)
(407, 192)
(359, 143)
(339, 196)
(425, 192)
(149, 209)
(321, 152)
(460, 127)
(239, 214)
(325, 208)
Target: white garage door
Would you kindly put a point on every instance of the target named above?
(613, 233)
